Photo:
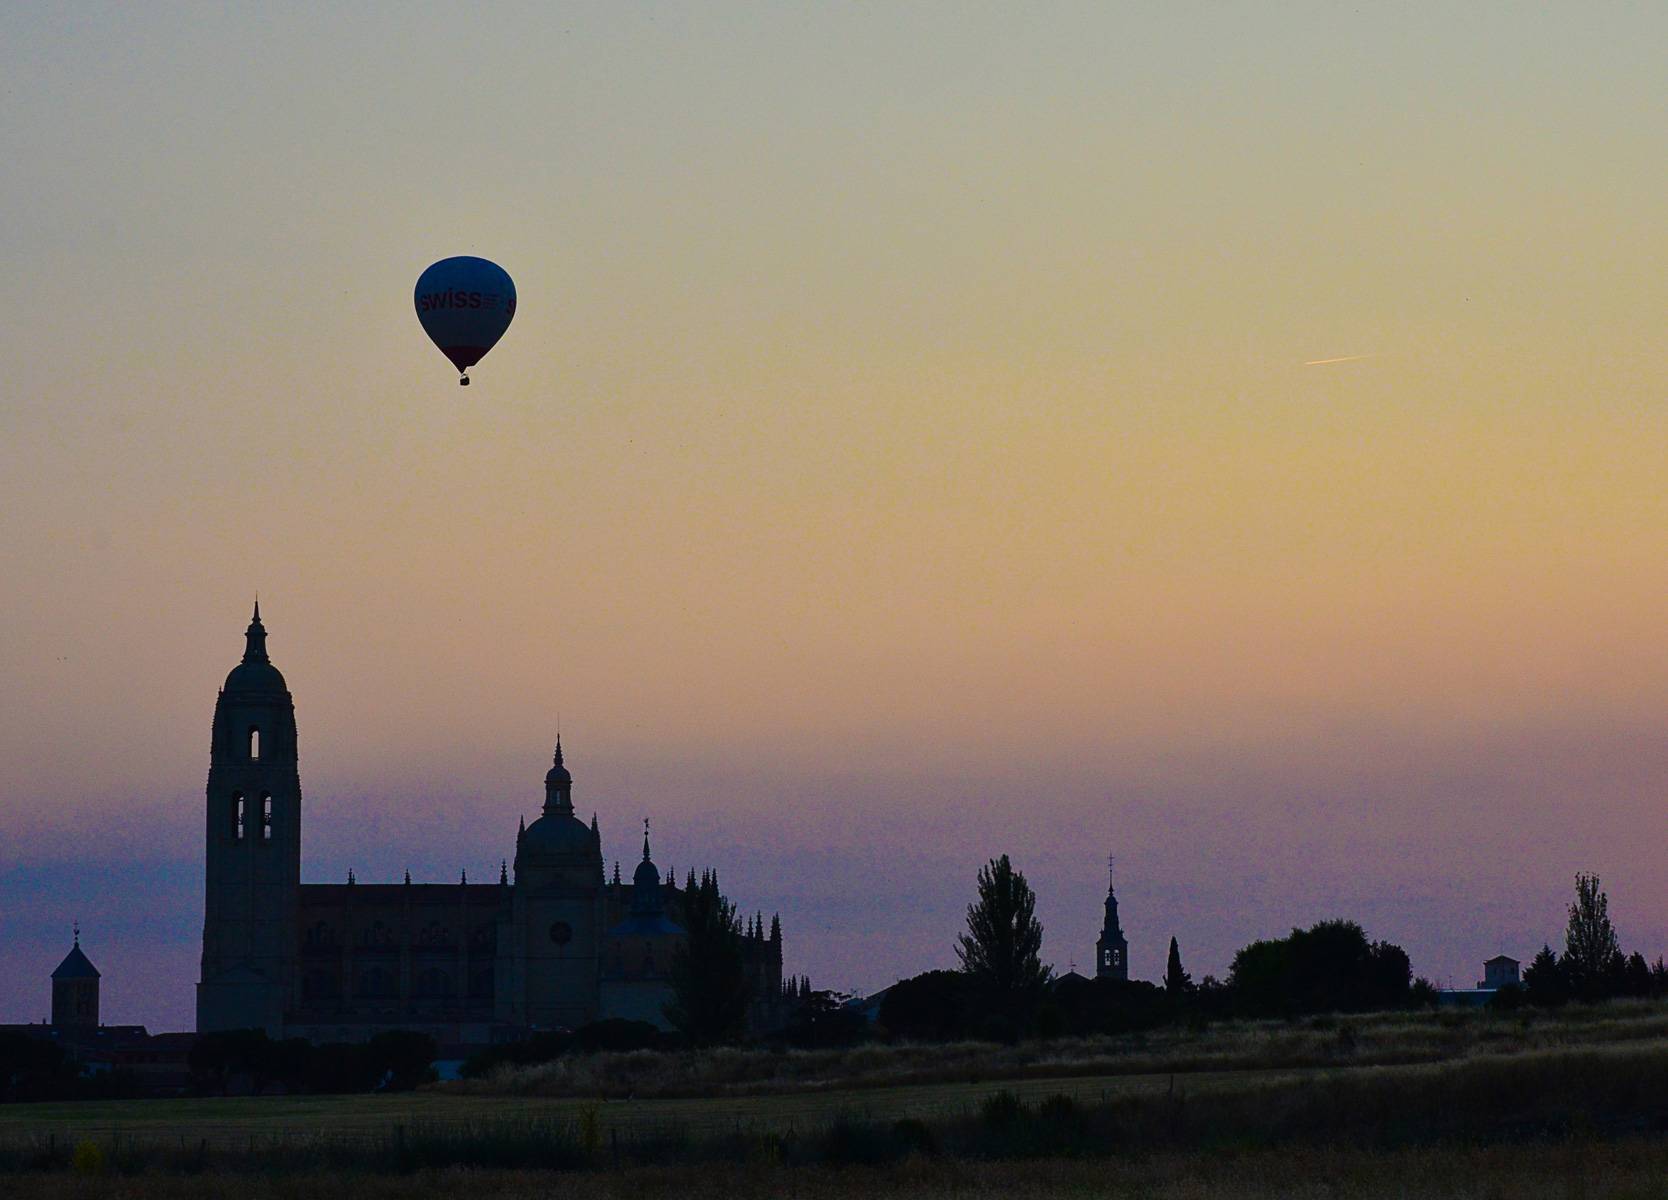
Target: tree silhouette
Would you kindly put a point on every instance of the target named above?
(1000, 950)
(1329, 967)
(1177, 982)
(1543, 979)
(709, 976)
(1592, 961)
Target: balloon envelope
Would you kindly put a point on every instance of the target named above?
(465, 305)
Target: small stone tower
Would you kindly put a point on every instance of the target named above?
(1111, 951)
(75, 990)
(253, 873)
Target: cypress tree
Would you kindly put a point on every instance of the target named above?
(709, 977)
(1177, 982)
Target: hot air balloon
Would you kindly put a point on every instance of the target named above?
(465, 305)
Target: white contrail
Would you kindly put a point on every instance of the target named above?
(1321, 362)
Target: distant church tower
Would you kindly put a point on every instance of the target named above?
(1111, 951)
(75, 990)
(253, 875)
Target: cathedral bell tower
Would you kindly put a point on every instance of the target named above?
(1111, 950)
(253, 839)
(554, 958)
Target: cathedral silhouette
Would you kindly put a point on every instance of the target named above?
(551, 944)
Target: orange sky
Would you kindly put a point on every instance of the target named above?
(903, 453)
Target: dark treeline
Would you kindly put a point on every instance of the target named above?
(396, 1061)
(1331, 967)
(1593, 965)
(243, 1060)
(34, 1069)
(1004, 992)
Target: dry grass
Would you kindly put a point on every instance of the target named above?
(1379, 1039)
(1454, 1105)
(1531, 1098)
(1630, 1169)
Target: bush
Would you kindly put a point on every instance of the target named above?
(1001, 1110)
(935, 1006)
(32, 1068)
(1330, 967)
(850, 1141)
(88, 1158)
(914, 1137)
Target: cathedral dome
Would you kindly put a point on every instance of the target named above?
(560, 834)
(647, 900)
(255, 677)
(256, 672)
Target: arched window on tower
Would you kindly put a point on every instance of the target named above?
(239, 815)
(266, 816)
(254, 743)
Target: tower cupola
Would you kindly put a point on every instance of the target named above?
(646, 897)
(558, 787)
(255, 674)
(558, 836)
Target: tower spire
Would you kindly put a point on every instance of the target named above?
(645, 839)
(1112, 949)
(558, 786)
(254, 648)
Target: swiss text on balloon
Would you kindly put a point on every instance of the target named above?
(457, 299)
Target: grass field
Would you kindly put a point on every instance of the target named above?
(235, 1121)
(1573, 1104)
(1373, 1039)
(1630, 1169)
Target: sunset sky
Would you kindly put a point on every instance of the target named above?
(904, 453)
